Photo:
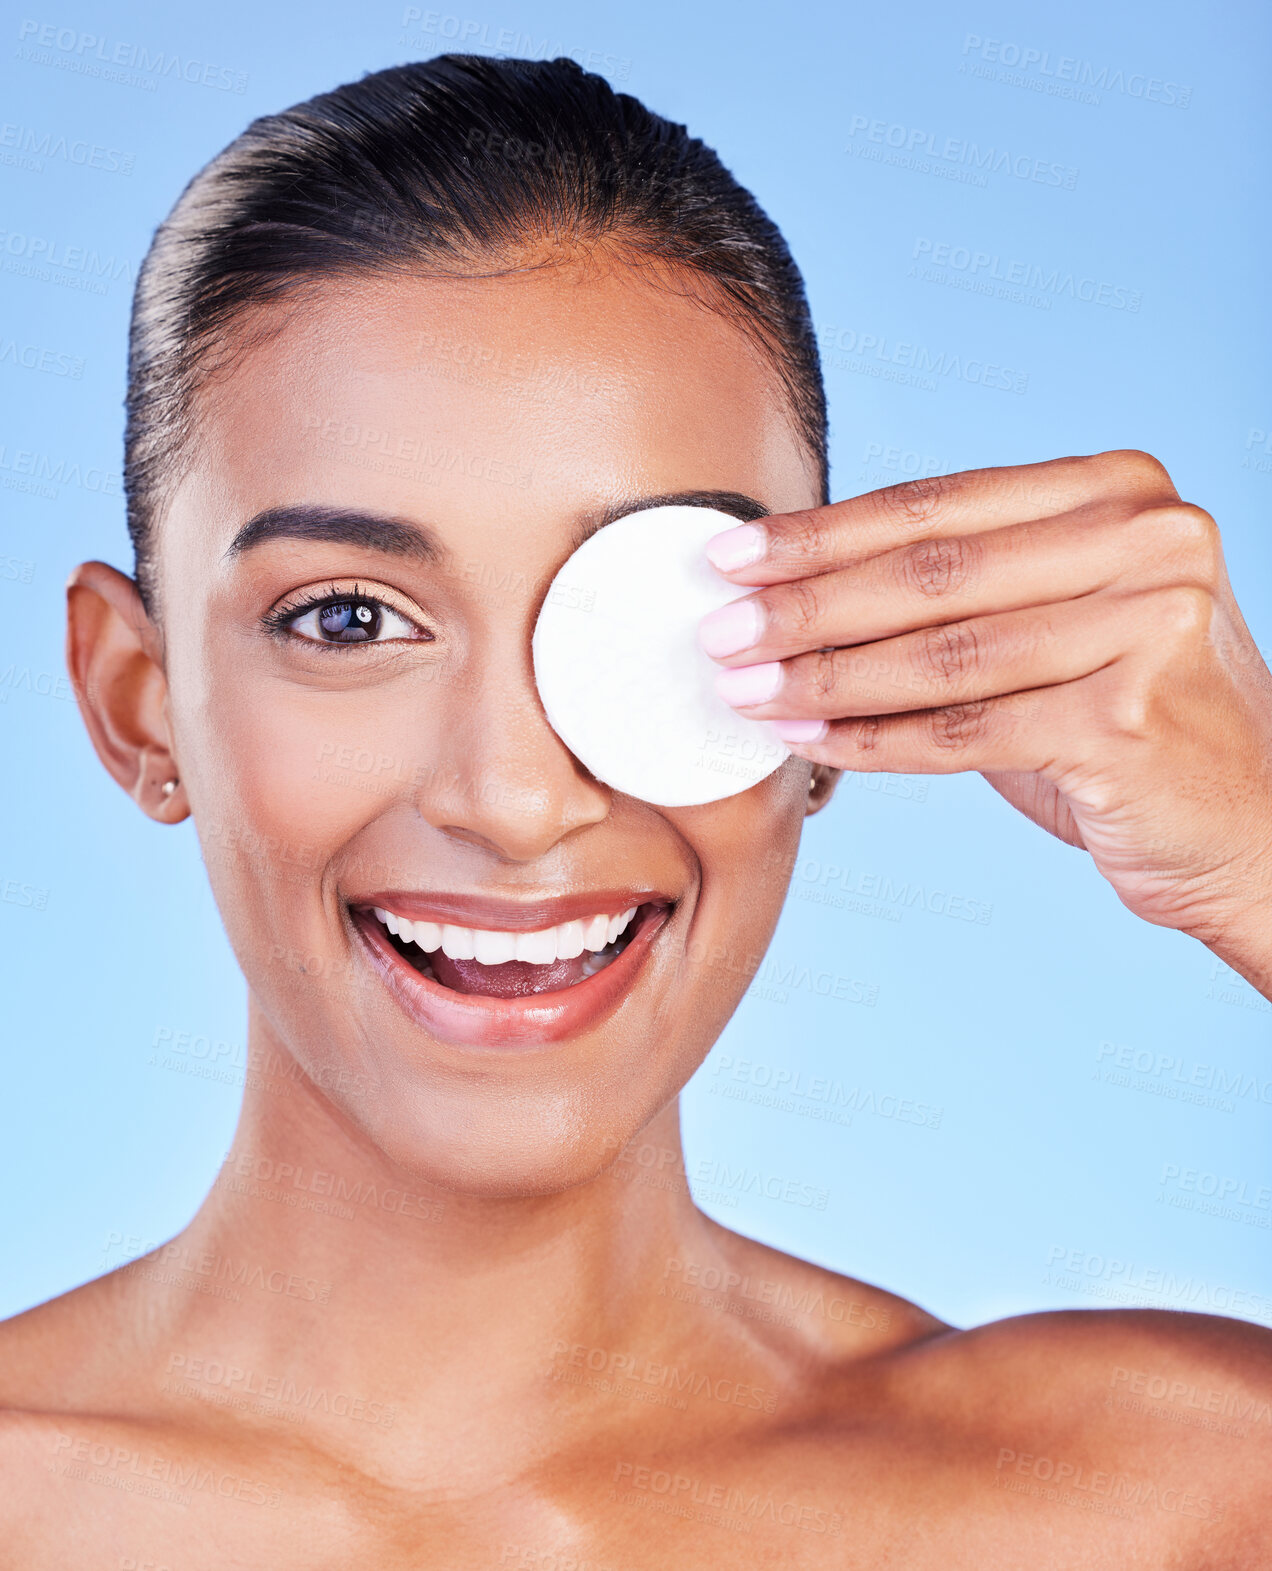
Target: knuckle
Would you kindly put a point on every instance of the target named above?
(798, 606)
(1130, 465)
(806, 536)
(1196, 535)
(1131, 710)
(822, 674)
(864, 735)
(915, 501)
(1140, 528)
(944, 653)
(958, 726)
(1184, 612)
(939, 566)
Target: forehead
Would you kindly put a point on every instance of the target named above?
(523, 399)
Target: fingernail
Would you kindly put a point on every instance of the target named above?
(734, 548)
(730, 627)
(749, 684)
(800, 730)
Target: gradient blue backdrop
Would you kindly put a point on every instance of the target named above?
(1002, 1112)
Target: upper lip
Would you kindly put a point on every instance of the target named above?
(513, 916)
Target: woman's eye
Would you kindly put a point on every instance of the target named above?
(356, 619)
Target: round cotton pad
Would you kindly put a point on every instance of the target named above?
(622, 678)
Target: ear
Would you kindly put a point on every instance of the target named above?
(115, 657)
(821, 787)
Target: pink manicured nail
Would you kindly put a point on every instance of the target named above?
(730, 627)
(749, 684)
(800, 730)
(734, 548)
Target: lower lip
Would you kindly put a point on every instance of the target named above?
(476, 1020)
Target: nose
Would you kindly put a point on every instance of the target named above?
(507, 783)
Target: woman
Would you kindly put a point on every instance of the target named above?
(394, 354)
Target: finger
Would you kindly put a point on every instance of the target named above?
(948, 578)
(793, 545)
(1046, 730)
(955, 663)
(1022, 731)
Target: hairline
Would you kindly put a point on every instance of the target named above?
(259, 322)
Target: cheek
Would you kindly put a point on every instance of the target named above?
(746, 846)
(285, 779)
(282, 764)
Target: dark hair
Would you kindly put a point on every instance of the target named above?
(448, 164)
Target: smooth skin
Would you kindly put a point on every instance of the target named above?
(537, 1353)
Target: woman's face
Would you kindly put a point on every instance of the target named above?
(450, 440)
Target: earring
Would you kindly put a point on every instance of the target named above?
(167, 788)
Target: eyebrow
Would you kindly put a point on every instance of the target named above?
(338, 526)
(743, 508)
(396, 537)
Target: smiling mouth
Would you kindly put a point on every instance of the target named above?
(499, 963)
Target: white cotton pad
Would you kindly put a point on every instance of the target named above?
(620, 672)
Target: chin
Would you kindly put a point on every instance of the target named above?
(498, 1046)
(501, 1145)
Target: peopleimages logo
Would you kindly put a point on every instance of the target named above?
(1129, 1282)
(727, 1181)
(1258, 450)
(25, 469)
(983, 269)
(1082, 73)
(39, 357)
(471, 34)
(914, 364)
(910, 145)
(73, 49)
(48, 261)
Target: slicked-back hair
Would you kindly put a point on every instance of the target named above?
(461, 165)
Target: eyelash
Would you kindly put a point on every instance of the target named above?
(280, 620)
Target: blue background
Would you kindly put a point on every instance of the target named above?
(1011, 1090)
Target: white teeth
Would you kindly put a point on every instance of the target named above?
(496, 946)
(493, 948)
(537, 948)
(569, 937)
(457, 942)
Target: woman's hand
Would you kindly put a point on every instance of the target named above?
(1065, 628)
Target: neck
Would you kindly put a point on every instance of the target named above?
(355, 1277)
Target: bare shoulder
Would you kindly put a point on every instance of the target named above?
(821, 1315)
(95, 1450)
(1162, 1415)
(80, 1360)
(59, 1362)
(75, 1350)
(1145, 1363)
(1118, 1437)
(1087, 1337)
